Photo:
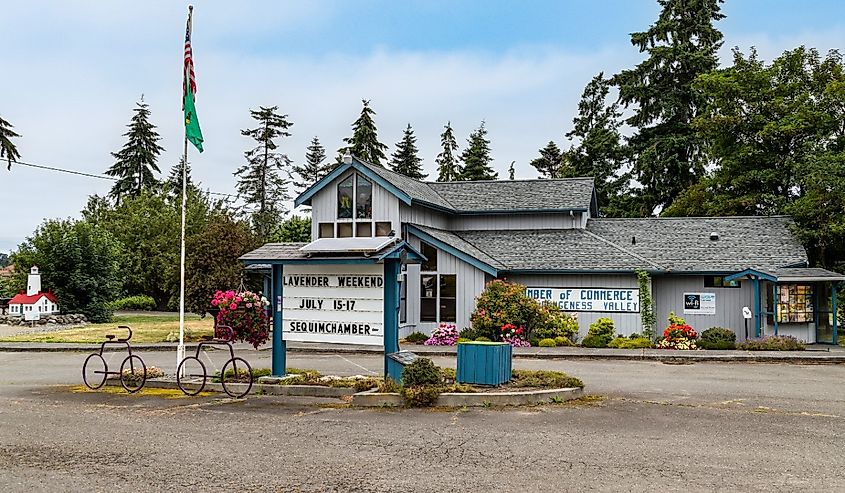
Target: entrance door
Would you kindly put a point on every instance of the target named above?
(824, 315)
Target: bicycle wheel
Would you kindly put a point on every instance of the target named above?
(191, 368)
(94, 371)
(133, 373)
(241, 374)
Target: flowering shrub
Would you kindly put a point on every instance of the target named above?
(678, 336)
(516, 341)
(514, 335)
(245, 313)
(772, 343)
(444, 335)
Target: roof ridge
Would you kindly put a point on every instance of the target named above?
(624, 250)
(573, 178)
(677, 218)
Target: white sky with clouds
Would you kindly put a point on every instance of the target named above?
(72, 71)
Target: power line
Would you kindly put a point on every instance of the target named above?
(99, 177)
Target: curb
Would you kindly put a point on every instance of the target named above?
(480, 399)
(257, 387)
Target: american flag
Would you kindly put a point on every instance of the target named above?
(188, 68)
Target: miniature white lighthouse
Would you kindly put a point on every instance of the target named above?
(33, 282)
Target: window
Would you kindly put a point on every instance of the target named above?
(364, 229)
(428, 298)
(448, 298)
(403, 299)
(363, 198)
(344, 230)
(430, 253)
(326, 230)
(383, 228)
(720, 282)
(795, 303)
(344, 198)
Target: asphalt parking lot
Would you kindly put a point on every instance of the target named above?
(655, 427)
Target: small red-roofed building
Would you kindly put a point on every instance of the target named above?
(33, 303)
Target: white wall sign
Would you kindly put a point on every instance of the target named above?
(699, 303)
(333, 303)
(622, 300)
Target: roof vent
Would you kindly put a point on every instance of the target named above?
(347, 157)
(633, 240)
(714, 236)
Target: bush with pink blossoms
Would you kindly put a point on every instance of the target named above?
(245, 312)
(516, 341)
(444, 335)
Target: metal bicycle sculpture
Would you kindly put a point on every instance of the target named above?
(235, 371)
(95, 370)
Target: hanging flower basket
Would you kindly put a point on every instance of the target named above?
(245, 312)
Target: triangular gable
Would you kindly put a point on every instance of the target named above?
(305, 197)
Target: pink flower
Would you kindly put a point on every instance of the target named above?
(249, 305)
(214, 302)
(233, 306)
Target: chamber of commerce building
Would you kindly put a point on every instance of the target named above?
(549, 236)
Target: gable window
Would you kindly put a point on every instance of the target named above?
(720, 282)
(344, 198)
(363, 198)
(430, 254)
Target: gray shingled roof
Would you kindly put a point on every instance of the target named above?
(662, 245)
(494, 195)
(275, 251)
(806, 273)
(684, 244)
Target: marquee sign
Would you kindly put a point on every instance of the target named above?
(333, 303)
(620, 300)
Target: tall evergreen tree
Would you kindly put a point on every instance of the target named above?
(448, 168)
(260, 181)
(173, 184)
(406, 160)
(364, 143)
(476, 157)
(548, 164)
(512, 171)
(314, 168)
(681, 45)
(8, 150)
(136, 161)
(598, 151)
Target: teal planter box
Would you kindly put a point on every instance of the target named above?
(484, 363)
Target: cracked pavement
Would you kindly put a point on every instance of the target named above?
(702, 427)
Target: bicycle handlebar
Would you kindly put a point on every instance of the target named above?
(130, 333)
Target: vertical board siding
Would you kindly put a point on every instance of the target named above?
(625, 323)
(423, 216)
(324, 207)
(516, 221)
(669, 297)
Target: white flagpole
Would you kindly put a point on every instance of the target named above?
(180, 350)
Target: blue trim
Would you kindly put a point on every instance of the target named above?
(835, 314)
(279, 345)
(478, 264)
(414, 256)
(757, 307)
(314, 261)
(753, 273)
(775, 305)
(305, 197)
(392, 269)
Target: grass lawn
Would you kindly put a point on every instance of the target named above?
(145, 328)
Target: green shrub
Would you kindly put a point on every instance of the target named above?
(544, 379)
(600, 333)
(422, 371)
(772, 343)
(137, 302)
(717, 338)
(448, 374)
(676, 320)
(463, 339)
(626, 343)
(561, 341)
(617, 342)
(421, 395)
(556, 324)
(469, 333)
(534, 341)
(416, 337)
(634, 335)
(389, 385)
(482, 339)
(547, 343)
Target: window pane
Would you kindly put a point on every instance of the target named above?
(364, 199)
(364, 229)
(428, 310)
(430, 253)
(428, 287)
(344, 199)
(403, 299)
(344, 230)
(326, 230)
(448, 288)
(448, 310)
(383, 228)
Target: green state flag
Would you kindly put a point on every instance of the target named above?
(192, 123)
